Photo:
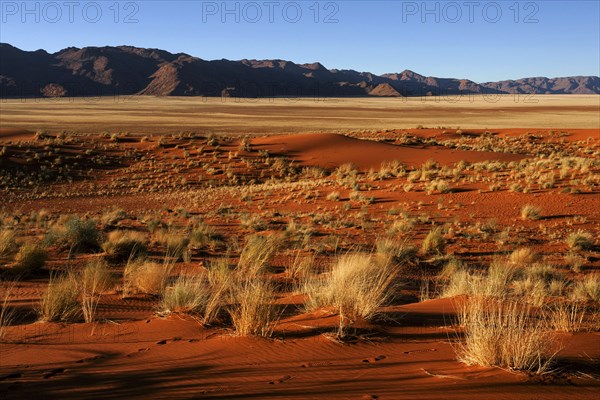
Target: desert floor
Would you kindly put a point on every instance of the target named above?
(293, 187)
(146, 114)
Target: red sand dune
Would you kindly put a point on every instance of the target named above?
(176, 358)
(7, 134)
(332, 150)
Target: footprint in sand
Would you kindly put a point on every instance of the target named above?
(14, 375)
(280, 380)
(374, 359)
(88, 359)
(164, 341)
(316, 364)
(369, 397)
(139, 351)
(54, 372)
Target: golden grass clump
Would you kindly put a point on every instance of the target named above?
(587, 289)
(505, 335)
(8, 242)
(95, 279)
(257, 254)
(523, 256)
(357, 285)
(148, 277)
(434, 243)
(530, 212)
(580, 240)
(252, 310)
(188, 294)
(122, 244)
(495, 282)
(60, 302)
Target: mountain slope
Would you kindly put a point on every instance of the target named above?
(127, 70)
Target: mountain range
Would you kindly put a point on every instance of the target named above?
(127, 70)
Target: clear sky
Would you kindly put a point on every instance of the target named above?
(478, 40)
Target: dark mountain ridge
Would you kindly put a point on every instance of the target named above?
(128, 70)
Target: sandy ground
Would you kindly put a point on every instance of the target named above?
(408, 353)
(246, 116)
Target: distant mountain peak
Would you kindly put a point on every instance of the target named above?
(126, 70)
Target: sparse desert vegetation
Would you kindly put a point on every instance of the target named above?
(486, 256)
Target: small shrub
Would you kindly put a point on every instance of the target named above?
(30, 259)
(530, 212)
(122, 244)
(434, 242)
(75, 234)
(580, 240)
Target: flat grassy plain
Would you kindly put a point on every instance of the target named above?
(246, 116)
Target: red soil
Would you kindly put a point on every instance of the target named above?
(11, 134)
(175, 358)
(133, 354)
(331, 150)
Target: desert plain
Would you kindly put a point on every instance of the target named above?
(355, 248)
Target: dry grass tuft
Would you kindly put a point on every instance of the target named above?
(257, 254)
(587, 289)
(188, 294)
(504, 334)
(8, 242)
(567, 317)
(530, 212)
(253, 311)
(580, 240)
(141, 276)
(95, 279)
(523, 256)
(7, 313)
(356, 287)
(434, 243)
(122, 244)
(60, 302)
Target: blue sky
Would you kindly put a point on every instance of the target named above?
(480, 40)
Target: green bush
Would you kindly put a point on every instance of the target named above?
(75, 234)
(30, 259)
